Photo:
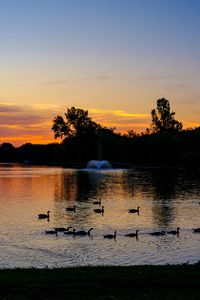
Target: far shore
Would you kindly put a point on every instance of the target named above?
(109, 282)
(115, 165)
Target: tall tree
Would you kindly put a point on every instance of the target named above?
(163, 119)
(77, 123)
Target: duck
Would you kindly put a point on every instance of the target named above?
(196, 230)
(70, 232)
(82, 232)
(110, 236)
(157, 233)
(99, 210)
(133, 234)
(44, 216)
(134, 210)
(51, 232)
(174, 232)
(71, 208)
(98, 202)
(62, 229)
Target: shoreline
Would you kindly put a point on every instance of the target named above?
(115, 165)
(102, 282)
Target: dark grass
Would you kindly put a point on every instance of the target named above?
(134, 282)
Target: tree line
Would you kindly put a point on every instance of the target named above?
(82, 139)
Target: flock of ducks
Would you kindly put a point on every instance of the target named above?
(72, 231)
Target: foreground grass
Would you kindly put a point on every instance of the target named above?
(135, 282)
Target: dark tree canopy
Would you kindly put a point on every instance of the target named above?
(77, 123)
(163, 119)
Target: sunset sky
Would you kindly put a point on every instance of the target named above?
(112, 57)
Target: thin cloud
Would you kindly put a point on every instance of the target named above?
(161, 77)
(175, 86)
(185, 102)
(103, 77)
(55, 82)
(22, 119)
(63, 81)
(4, 108)
(79, 78)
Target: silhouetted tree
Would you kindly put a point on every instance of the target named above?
(77, 123)
(7, 152)
(163, 118)
(131, 134)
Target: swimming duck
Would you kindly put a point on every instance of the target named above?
(134, 210)
(97, 202)
(70, 232)
(99, 210)
(157, 233)
(132, 234)
(62, 229)
(83, 232)
(174, 232)
(110, 236)
(51, 232)
(71, 208)
(44, 216)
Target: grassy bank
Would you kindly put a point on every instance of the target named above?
(138, 282)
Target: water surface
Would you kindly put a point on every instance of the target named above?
(167, 198)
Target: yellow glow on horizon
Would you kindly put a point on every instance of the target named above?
(189, 124)
(120, 113)
(11, 126)
(17, 141)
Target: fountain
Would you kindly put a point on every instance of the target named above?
(98, 164)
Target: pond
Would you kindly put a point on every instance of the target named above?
(168, 198)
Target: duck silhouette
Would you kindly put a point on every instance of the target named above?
(99, 210)
(132, 234)
(157, 233)
(174, 232)
(44, 216)
(70, 232)
(83, 232)
(71, 208)
(98, 202)
(62, 229)
(134, 210)
(110, 236)
(51, 232)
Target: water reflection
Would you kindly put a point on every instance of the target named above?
(164, 183)
(167, 198)
(117, 187)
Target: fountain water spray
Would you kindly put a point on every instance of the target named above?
(98, 164)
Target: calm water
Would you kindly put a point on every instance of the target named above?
(168, 199)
